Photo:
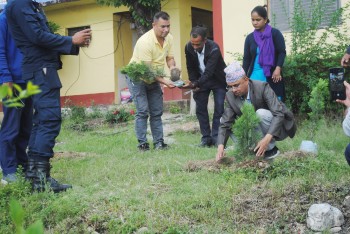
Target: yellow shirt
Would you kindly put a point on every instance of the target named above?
(148, 49)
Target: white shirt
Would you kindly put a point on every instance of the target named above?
(201, 60)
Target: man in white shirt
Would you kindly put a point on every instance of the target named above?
(205, 67)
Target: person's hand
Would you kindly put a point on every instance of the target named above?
(345, 102)
(165, 82)
(345, 60)
(262, 145)
(169, 84)
(276, 75)
(221, 152)
(8, 84)
(187, 85)
(82, 38)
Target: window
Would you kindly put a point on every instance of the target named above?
(281, 11)
(72, 31)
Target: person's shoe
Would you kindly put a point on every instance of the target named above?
(160, 146)
(270, 154)
(10, 178)
(143, 147)
(205, 144)
(56, 186)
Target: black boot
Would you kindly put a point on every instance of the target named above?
(30, 170)
(43, 180)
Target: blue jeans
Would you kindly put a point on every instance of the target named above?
(14, 136)
(347, 154)
(148, 99)
(47, 113)
(201, 98)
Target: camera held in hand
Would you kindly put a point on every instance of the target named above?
(336, 83)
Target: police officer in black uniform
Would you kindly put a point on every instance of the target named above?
(41, 50)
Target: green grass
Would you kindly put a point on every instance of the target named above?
(117, 189)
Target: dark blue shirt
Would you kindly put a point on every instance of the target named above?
(29, 28)
(10, 56)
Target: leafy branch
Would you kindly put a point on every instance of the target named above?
(142, 72)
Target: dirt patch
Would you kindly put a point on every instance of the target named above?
(209, 165)
(231, 164)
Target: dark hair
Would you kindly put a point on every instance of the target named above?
(161, 14)
(199, 31)
(261, 10)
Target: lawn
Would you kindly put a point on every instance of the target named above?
(117, 189)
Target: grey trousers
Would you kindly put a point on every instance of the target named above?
(148, 99)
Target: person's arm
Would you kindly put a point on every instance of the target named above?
(346, 123)
(247, 57)
(226, 122)
(28, 21)
(280, 50)
(346, 58)
(5, 74)
(346, 102)
(276, 109)
(192, 66)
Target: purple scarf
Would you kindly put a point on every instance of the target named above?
(267, 49)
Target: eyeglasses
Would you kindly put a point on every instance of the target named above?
(233, 86)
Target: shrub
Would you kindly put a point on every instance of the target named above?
(317, 105)
(246, 131)
(119, 116)
(141, 71)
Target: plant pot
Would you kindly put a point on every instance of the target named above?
(308, 147)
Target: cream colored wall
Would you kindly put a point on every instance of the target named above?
(236, 24)
(181, 26)
(93, 70)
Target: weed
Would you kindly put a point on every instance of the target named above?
(174, 109)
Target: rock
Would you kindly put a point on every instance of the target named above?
(346, 203)
(338, 217)
(175, 74)
(335, 229)
(324, 216)
(320, 217)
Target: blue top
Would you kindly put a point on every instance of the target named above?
(10, 56)
(258, 72)
(40, 47)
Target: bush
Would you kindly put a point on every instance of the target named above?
(312, 53)
(119, 116)
(246, 131)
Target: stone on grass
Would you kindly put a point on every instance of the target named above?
(335, 229)
(324, 216)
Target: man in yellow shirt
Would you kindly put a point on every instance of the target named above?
(155, 48)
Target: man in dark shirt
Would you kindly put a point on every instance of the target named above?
(41, 50)
(205, 67)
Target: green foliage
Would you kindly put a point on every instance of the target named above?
(120, 115)
(316, 103)
(142, 71)
(246, 131)
(142, 11)
(174, 108)
(313, 51)
(17, 216)
(13, 99)
(53, 27)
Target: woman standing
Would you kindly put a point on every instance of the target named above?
(264, 52)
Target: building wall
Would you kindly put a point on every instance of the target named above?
(236, 24)
(93, 71)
